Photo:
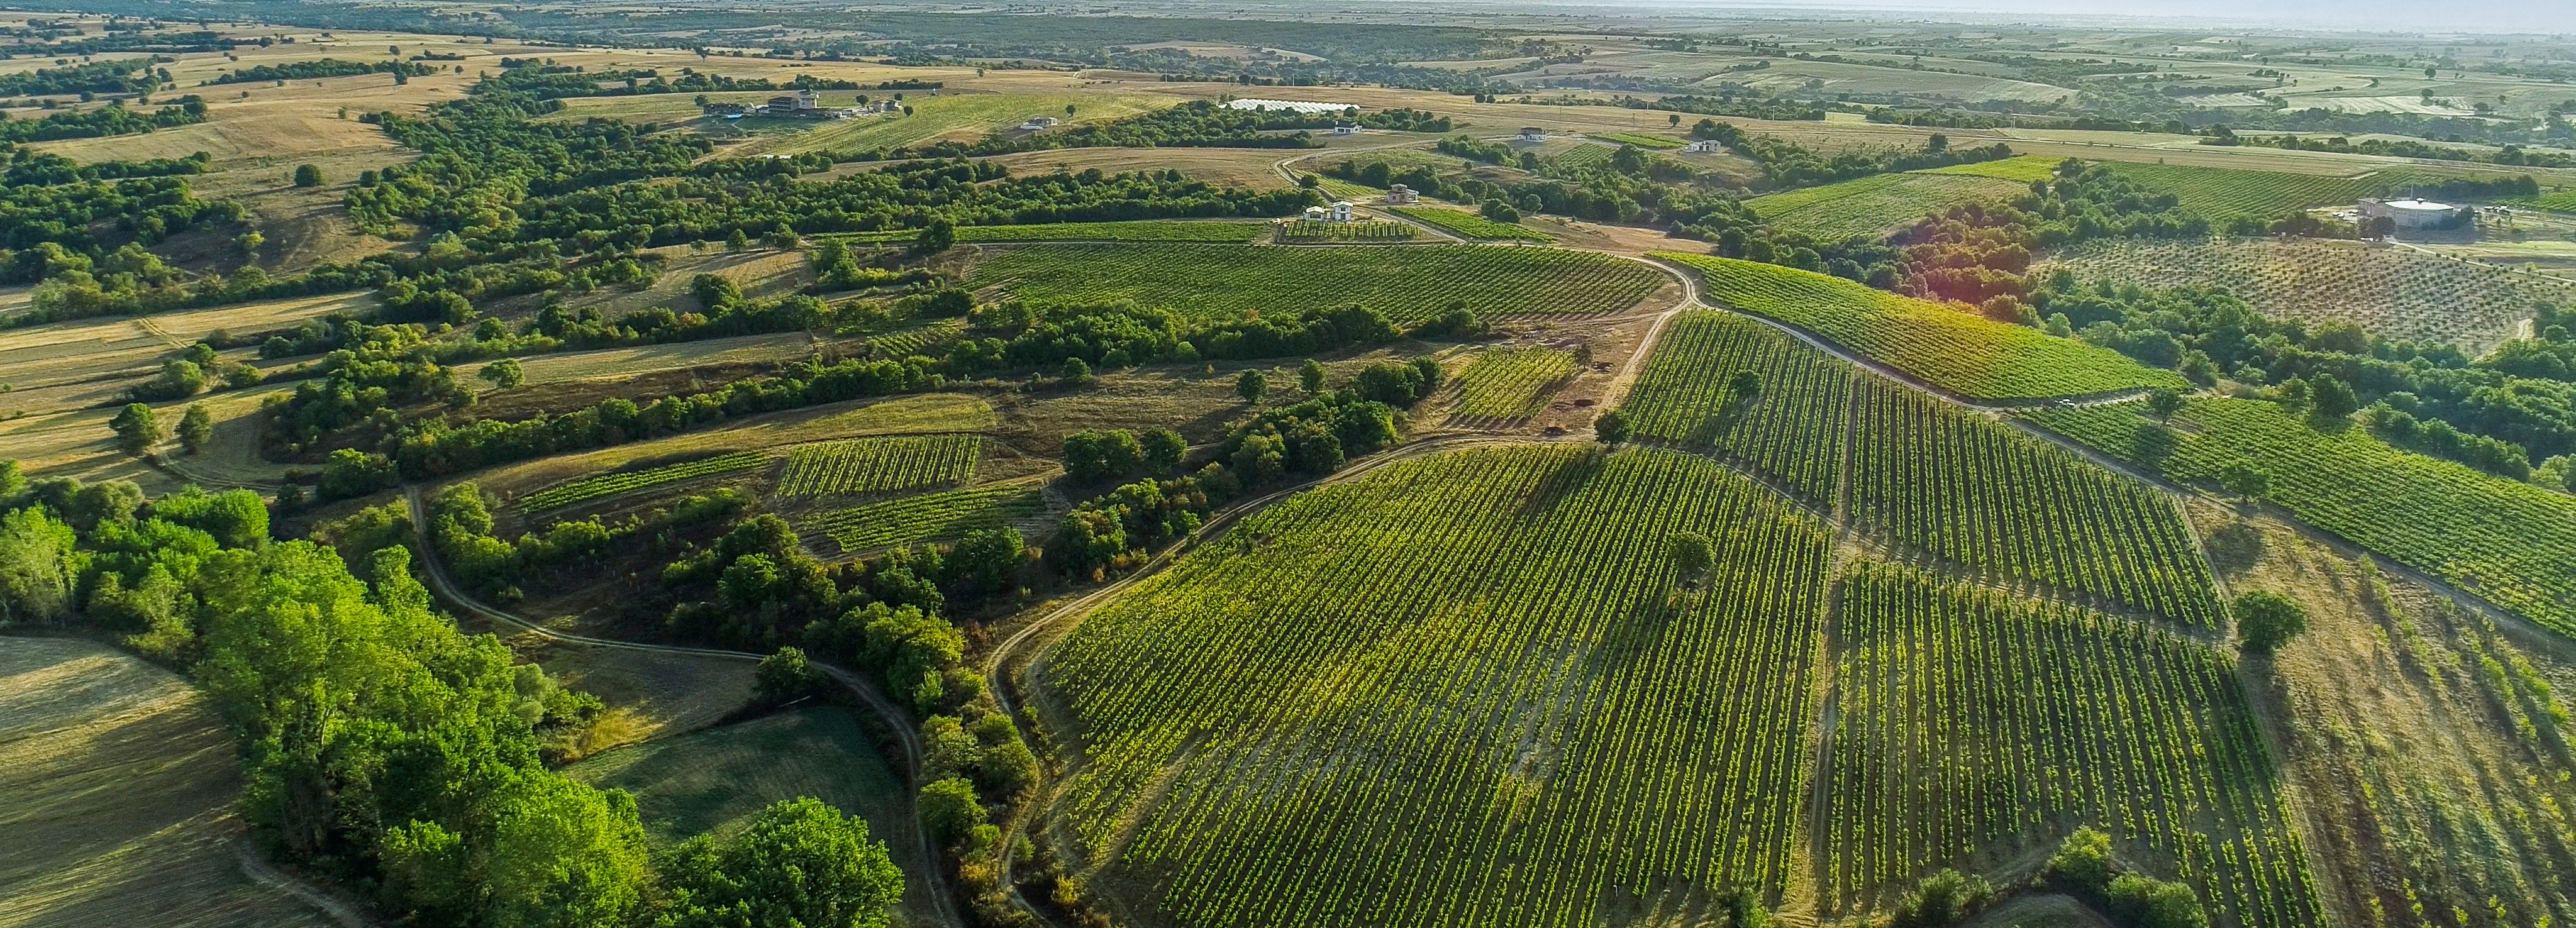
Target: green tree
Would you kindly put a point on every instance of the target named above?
(2266, 620)
(1611, 427)
(1074, 371)
(196, 428)
(937, 237)
(986, 559)
(1310, 376)
(2084, 861)
(2244, 479)
(1744, 387)
(950, 808)
(38, 565)
(784, 676)
(1252, 385)
(1164, 450)
(136, 429)
(1944, 898)
(307, 175)
(2163, 403)
(1094, 455)
(2144, 902)
(1691, 553)
(503, 374)
(2331, 397)
(800, 862)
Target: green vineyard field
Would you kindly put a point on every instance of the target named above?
(933, 516)
(1311, 230)
(1792, 433)
(917, 340)
(1974, 726)
(1510, 383)
(2511, 543)
(2020, 169)
(1404, 699)
(1874, 206)
(1138, 230)
(1468, 224)
(2222, 194)
(1957, 351)
(2397, 293)
(593, 487)
(1640, 140)
(880, 465)
(1405, 284)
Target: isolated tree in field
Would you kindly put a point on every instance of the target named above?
(2266, 620)
(800, 862)
(503, 374)
(1068, 111)
(785, 677)
(1164, 450)
(1692, 555)
(1074, 371)
(1310, 376)
(2164, 403)
(2244, 480)
(1744, 387)
(1673, 119)
(1251, 385)
(1611, 427)
(307, 175)
(196, 428)
(135, 428)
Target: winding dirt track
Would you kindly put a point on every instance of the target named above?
(906, 737)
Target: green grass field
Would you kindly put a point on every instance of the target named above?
(2511, 543)
(716, 779)
(1406, 284)
(2021, 168)
(1957, 351)
(1874, 206)
(1468, 224)
(2561, 201)
(1641, 140)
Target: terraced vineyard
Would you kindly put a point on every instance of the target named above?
(2394, 292)
(880, 465)
(2511, 543)
(1957, 351)
(927, 516)
(1406, 284)
(1793, 432)
(1456, 692)
(1468, 224)
(2223, 194)
(1510, 383)
(1975, 727)
(593, 487)
(1874, 206)
(1972, 490)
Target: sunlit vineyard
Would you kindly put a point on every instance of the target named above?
(1405, 284)
(1136, 230)
(2398, 293)
(922, 517)
(918, 340)
(2222, 194)
(2021, 169)
(1467, 690)
(1470, 225)
(1641, 140)
(1510, 383)
(1792, 432)
(1973, 728)
(1876, 205)
(879, 465)
(1952, 349)
(1583, 156)
(2512, 543)
(1967, 488)
(1322, 230)
(599, 485)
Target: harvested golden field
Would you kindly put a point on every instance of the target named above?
(648, 359)
(120, 780)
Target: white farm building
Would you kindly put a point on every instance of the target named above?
(2415, 214)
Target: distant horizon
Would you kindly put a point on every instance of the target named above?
(2462, 17)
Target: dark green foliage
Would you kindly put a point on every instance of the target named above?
(136, 429)
(784, 677)
(950, 809)
(1095, 455)
(2084, 862)
(986, 560)
(799, 862)
(1252, 384)
(1398, 385)
(196, 428)
(103, 121)
(307, 175)
(1945, 898)
(2144, 902)
(2266, 620)
(321, 68)
(131, 75)
(1611, 427)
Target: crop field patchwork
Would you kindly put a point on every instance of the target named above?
(935, 516)
(1462, 691)
(1793, 432)
(1462, 222)
(1874, 206)
(2397, 293)
(1974, 725)
(880, 465)
(1511, 383)
(1954, 350)
(590, 488)
(1406, 284)
(2511, 543)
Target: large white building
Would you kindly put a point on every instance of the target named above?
(2415, 214)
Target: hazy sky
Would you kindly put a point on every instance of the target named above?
(2480, 16)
